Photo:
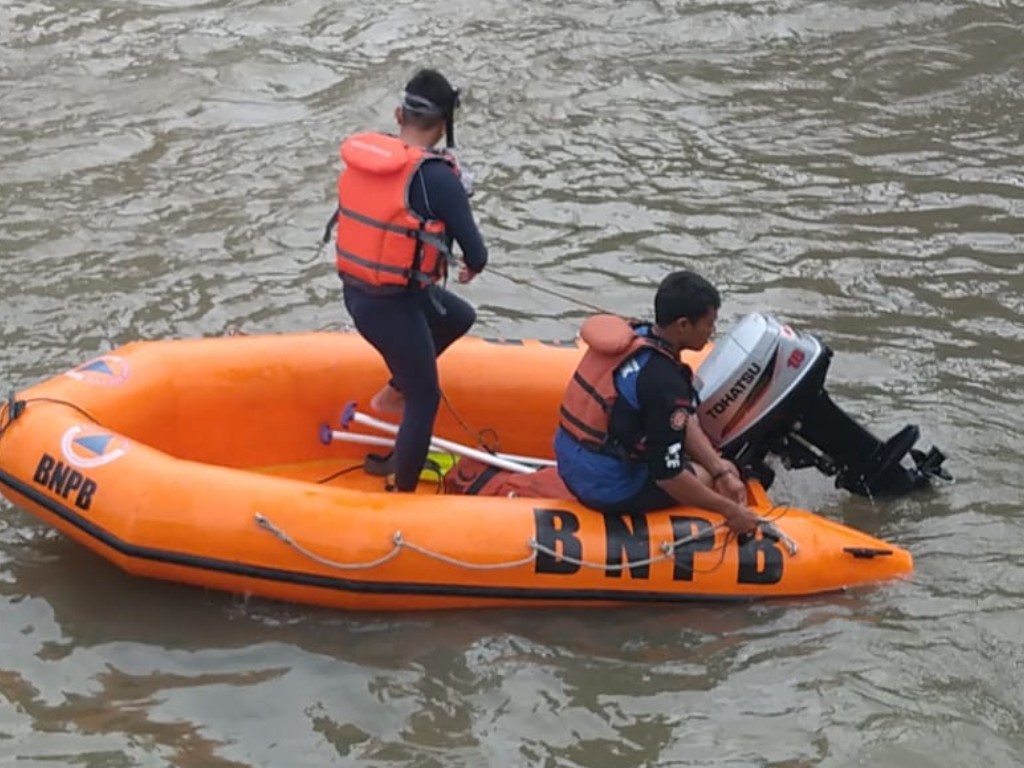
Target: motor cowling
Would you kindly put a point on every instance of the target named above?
(762, 391)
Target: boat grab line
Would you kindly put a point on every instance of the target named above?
(667, 548)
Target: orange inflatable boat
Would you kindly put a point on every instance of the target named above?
(202, 461)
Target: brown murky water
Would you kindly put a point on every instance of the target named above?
(855, 168)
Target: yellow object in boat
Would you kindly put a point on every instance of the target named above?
(437, 465)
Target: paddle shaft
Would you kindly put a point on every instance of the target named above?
(446, 445)
(439, 442)
(387, 442)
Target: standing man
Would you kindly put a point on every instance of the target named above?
(628, 438)
(401, 204)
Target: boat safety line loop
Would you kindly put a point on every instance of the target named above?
(465, 564)
(668, 549)
(399, 542)
(267, 525)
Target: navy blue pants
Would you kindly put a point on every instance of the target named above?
(650, 498)
(410, 332)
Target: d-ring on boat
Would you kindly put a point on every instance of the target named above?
(203, 461)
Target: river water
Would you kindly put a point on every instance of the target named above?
(852, 167)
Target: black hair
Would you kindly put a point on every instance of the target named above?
(429, 100)
(684, 294)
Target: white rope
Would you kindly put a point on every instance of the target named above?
(399, 543)
(667, 548)
(266, 525)
(474, 566)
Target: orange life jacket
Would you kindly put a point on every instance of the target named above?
(587, 406)
(381, 242)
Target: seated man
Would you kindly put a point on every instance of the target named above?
(627, 425)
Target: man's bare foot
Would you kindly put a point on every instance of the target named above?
(388, 400)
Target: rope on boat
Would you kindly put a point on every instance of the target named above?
(267, 525)
(399, 542)
(667, 549)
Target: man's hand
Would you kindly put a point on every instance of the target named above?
(466, 274)
(688, 490)
(742, 519)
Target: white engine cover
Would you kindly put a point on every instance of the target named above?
(749, 373)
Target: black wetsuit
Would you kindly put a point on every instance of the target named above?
(410, 330)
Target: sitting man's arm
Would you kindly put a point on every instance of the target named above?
(666, 404)
(723, 475)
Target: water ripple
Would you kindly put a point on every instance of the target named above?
(165, 170)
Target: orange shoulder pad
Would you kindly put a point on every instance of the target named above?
(374, 152)
(607, 334)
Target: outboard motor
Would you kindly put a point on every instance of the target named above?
(762, 390)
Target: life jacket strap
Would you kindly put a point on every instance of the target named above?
(598, 437)
(331, 224)
(421, 236)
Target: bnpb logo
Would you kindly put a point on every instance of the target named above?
(87, 447)
(108, 370)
